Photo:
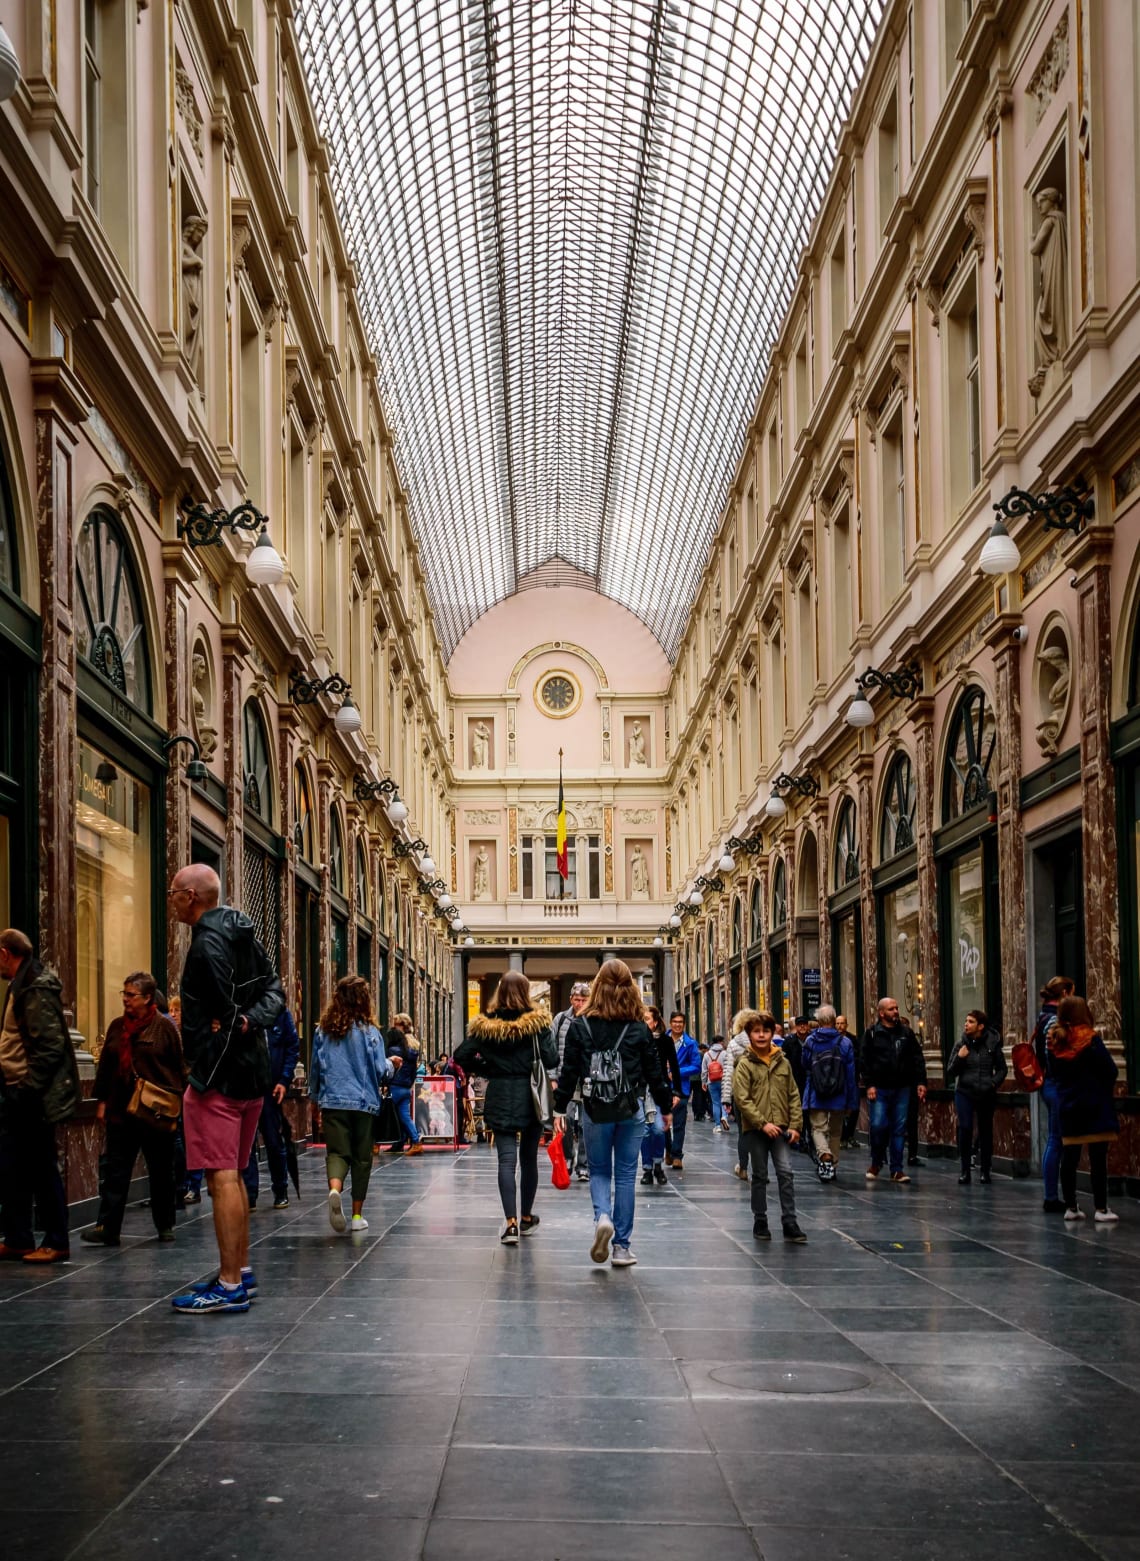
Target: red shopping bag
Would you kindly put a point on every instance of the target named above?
(560, 1172)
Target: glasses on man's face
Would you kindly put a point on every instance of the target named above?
(174, 894)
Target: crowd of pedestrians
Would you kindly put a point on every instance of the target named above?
(191, 1089)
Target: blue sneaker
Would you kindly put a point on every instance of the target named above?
(213, 1297)
(249, 1283)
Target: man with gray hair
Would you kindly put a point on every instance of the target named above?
(892, 1066)
(831, 1088)
(573, 1144)
(230, 995)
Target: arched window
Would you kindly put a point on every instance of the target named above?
(9, 561)
(737, 926)
(779, 895)
(257, 767)
(969, 756)
(846, 862)
(110, 630)
(382, 901)
(755, 915)
(303, 816)
(896, 828)
(712, 945)
(363, 898)
(397, 927)
(336, 852)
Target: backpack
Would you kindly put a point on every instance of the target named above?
(1027, 1070)
(606, 1092)
(716, 1070)
(828, 1074)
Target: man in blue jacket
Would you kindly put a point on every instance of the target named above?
(284, 1049)
(689, 1067)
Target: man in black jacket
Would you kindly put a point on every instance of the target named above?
(230, 995)
(39, 1086)
(891, 1065)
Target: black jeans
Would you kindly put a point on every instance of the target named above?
(29, 1173)
(981, 1109)
(511, 1148)
(1098, 1173)
(675, 1137)
(759, 1148)
(912, 1125)
(270, 1129)
(123, 1143)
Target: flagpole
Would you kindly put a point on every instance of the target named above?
(561, 879)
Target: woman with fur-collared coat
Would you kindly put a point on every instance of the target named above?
(500, 1047)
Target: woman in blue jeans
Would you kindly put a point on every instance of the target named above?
(609, 1051)
(1051, 994)
(405, 1059)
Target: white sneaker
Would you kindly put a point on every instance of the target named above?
(336, 1212)
(1106, 1217)
(622, 1257)
(603, 1235)
(1073, 1214)
(358, 1222)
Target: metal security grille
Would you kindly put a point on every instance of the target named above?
(261, 898)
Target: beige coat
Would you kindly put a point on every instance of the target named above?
(766, 1092)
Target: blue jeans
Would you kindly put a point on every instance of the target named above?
(1051, 1158)
(675, 1138)
(611, 1149)
(716, 1094)
(888, 1122)
(402, 1100)
(653, 1144)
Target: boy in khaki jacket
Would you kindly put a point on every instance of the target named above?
(771, 1119)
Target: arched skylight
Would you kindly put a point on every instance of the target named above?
(576, 227)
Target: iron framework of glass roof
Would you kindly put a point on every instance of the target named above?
(576, 227)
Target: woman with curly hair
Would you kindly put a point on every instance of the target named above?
(347, 1071)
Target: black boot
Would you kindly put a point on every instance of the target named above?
(964, 1179)
(647, 1178)
(760, 1231)
(659, 1175)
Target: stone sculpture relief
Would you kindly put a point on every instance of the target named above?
(206, 734)
(1054, 678)
(193, 232)
(637, 745)
(481, 875)
(480, 746)
(1050, 248)
(638, 875)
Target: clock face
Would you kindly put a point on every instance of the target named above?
(558, 693)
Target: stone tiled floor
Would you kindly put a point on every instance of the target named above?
(940, 1373)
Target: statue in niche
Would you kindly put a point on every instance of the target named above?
(481, 746)
(638, 875)
(1055, 696)
(193, 232)
(206, 734)
(1050, 248)
(637, 745)
(481, 876)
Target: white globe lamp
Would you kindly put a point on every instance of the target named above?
(347, 718)
(265, 566)
(1000, 555)
(859, 712)
(9, 67)
(674, 921)
(727, 863)
(397, 812)
(427, 866)
(696, 898)
(775, 807)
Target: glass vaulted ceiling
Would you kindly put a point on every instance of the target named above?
(576, 227)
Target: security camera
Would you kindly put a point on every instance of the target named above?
(1020, 634)
(1073, 581)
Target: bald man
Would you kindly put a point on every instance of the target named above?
(230, 995)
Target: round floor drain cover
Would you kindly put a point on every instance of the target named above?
(772, 1377)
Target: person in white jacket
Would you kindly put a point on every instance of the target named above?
(712, 1077)
(735, 1049)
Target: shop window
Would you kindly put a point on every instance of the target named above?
(110, 629)
(336, 853)
(261, 895)
(846, 861)
(896, 829)
(303, 838)
(899, 949)
(966, 781)
(257, 766)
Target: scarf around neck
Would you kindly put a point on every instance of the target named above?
(1076, 1039)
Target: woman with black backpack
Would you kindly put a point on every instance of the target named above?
(609, 1051)
(502, 1046)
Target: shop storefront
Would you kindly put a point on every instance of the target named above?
(263, 851)
(1126, 752)
(307, 938)
(896, 896)
(846, 914)
(966, 853)
(19, 721)
(120, 772)
(778, 943)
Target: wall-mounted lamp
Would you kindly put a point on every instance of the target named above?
(365, 790)
(751, 844)
(195, 769)
(306, 691)
(906, 683)
(9, 67)
(805, 785)
(106, 773)
(405, 848)
(1065, 509)
(203, 527)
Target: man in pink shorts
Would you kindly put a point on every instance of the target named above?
(230, 995)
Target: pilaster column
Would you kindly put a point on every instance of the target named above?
(922, 713)
(764, 877)
(819, 819)
(60, 406)
(326, 775)
(235, 649)
(459, 1005)
(1011, 829)
(288, 726)
(793, 936)
(515, 958)
(864, 813)
(179, 572)
(1090, 557)
(668, 995)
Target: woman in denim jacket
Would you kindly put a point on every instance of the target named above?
(347, 1071)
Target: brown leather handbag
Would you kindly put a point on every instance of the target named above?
(155, 1106)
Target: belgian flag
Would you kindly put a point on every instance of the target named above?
(563, 854)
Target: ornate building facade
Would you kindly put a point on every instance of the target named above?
(967, 323)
